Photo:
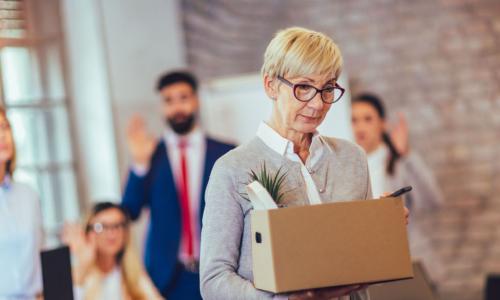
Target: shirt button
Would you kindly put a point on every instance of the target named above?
(311, 171)
(321, 190)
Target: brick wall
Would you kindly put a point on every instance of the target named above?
(438, 61)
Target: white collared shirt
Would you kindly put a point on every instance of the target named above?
(195, 155)
(285, 147)
(377, 164)
(20, 242)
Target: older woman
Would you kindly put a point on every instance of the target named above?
(300, 72)
(21, 233)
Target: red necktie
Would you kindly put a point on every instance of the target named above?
(187, 230)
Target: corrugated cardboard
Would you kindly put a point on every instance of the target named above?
(331, 244)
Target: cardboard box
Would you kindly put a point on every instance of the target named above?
(330, 244)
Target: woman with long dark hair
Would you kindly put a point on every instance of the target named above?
(392, 165)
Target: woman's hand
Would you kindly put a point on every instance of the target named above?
(140, 143)
(326, 293)
(406, 210)
(82, 246)
(407, 215)
(400, 137)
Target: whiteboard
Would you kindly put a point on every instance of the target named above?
(232, 109)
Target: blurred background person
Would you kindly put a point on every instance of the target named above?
(105, 266)
(169, 176)
(392, 165)
(21, 235)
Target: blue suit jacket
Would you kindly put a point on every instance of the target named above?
(157, 190)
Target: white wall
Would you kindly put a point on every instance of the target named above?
(91, 102)
(143, 39)
(116, 49)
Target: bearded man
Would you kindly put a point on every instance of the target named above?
(169, 176)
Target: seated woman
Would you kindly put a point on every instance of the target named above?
(105, 266)
(300, 72)
(21, 233)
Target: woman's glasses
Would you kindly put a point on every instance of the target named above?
(102, 227)
(306, 92)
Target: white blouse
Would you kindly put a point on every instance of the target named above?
(285, 147)
(110, 286)
(377, 164)
(20, 242)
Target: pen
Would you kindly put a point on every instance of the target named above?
(401, 191)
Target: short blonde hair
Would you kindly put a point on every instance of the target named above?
(297, 51)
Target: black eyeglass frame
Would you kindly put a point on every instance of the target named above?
(294, 87)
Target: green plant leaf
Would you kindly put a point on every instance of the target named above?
(271, 182)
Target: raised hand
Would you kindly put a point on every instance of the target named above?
(140, 143)
(399, 135)
(82, 246)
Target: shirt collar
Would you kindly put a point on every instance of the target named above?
(195, 137)
(283, 146)
(7, 182)
(379, 154)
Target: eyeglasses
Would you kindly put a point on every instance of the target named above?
(306, 92)
(101, 227)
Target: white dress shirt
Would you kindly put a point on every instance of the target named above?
(111, 286)
(20, 242)
(195, 156)
(285, 147)
(377, 164)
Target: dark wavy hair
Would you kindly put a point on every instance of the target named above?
(177, 77)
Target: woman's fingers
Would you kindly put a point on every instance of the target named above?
(407, 215)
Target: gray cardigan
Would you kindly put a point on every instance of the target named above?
(226, 256)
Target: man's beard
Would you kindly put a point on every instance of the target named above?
(182, 124)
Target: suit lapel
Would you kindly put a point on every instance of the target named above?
(169, 172)
(210, 158)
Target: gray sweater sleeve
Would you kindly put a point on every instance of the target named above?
(223, 223)
(426, 194)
